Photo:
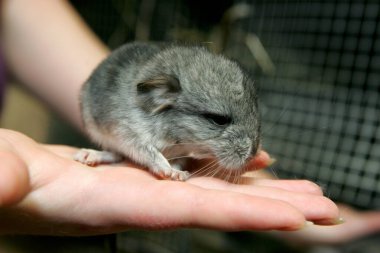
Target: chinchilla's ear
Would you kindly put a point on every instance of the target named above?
(158, 94)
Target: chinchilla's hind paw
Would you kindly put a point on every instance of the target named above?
(93, 157)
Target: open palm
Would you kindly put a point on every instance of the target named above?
(61, 196)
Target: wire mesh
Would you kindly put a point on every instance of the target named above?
(321, 105)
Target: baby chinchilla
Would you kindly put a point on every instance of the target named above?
(156, 103)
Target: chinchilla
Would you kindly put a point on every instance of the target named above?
(154, 103)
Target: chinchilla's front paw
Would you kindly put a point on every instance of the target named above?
(173, 174)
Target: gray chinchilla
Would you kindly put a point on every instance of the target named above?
(155, 103)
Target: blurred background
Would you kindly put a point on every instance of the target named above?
(317, 66)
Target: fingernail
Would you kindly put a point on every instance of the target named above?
(336, 221)
(271, 161)
(305, 225)
(308, 224)
(339, 220)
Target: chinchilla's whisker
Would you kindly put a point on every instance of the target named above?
(202, 171)
(215, 171)
(237, 177)
(220, 170)
(233, 176)
(204, 168)
(178, 157)
(229, 174)
(226, 174)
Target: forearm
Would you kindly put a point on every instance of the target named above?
(51, 50)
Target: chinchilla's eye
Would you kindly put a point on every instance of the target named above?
(220, 120)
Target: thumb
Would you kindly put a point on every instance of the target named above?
(261, 161)
(14, 178)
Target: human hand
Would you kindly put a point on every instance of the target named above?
(63, 197)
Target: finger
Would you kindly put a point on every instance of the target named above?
(14, 179)
(358, 224)
(316, 208)
(304, 186)
(179, 204)
(365, 223)
(231, 211)
(260, 161)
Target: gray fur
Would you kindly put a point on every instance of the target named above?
(145, 98)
